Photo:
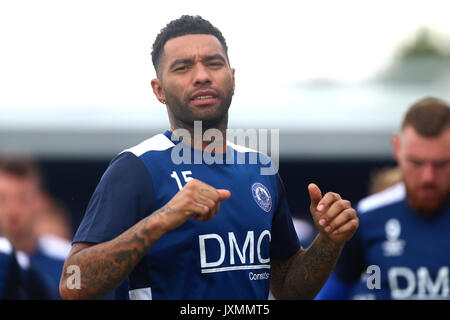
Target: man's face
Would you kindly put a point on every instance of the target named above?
(18, 200)
(195, 80)
(425, 165)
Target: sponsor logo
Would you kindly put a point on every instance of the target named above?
(407, 284)
(251, 255)
(258, 276)
(393, 246)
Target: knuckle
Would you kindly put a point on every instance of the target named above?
(347, 203)
(336, 196)
(348, 214)
(190, 184)
(193, 181)
(341, 205)
(211, 204)
(187, 191)
(203, 209)
(344, 204)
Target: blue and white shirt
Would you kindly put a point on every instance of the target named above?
(411, 253)
(227, 257)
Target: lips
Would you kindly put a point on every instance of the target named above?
(204, 97)
(428, 192)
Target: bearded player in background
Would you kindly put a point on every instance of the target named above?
(404, 230)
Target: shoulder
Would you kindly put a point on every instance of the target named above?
(130, 162)
(160, 142)
(255, 157)
(5, 246)
(382, 199)
(242, 149)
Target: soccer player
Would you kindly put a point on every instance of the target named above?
(19, 280)
(196, 229)
(402, 246)
(20, 192)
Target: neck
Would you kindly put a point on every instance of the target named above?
(199, 136)
(26, 244)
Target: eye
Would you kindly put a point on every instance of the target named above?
(180, 68)
(441, 164)
(415, 162)
(215, 64)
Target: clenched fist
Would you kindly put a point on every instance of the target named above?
(333, 216)
(196, 199)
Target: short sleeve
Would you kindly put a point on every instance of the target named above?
(123, 197)
(284, 242)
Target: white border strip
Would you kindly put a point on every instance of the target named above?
(212, 270)
(141, 294)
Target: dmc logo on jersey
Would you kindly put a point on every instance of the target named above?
(406, 283)
(252, 254)
(393, 246)
(262, 196)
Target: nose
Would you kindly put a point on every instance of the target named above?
(202, 75)
(429, 173)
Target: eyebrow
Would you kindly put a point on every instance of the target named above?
(443, 161)
(216, 56)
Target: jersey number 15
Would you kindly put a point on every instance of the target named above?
(185, 175)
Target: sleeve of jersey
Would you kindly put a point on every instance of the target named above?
(122, 198)
(284, 241)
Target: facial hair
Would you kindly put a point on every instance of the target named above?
(183, 116)
(427, 207)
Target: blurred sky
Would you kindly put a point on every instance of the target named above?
(87, 56)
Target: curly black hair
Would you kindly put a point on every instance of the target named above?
(184, 25)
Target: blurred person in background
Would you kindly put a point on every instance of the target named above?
(401, 249)
(20, 206)
(384, 178)
(54, 221)
(18, 279)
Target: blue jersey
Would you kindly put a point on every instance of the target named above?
(227, 257)
(49, 259)
(6, 262)
(410, 254)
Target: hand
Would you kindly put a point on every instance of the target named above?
(334, 217)
(196, 199)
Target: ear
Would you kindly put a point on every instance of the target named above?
(158, 90)
(395, 141)
(232, 74)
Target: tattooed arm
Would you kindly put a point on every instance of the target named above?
(303, 275)
(105, 265)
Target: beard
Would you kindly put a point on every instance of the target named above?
(182, 115)
(427, 207)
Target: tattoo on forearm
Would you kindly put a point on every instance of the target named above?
(104, 266)
(305, 274)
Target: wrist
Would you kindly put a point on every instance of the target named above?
(157, 224)
(332, 243)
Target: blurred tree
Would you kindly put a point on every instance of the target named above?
(426, 60)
